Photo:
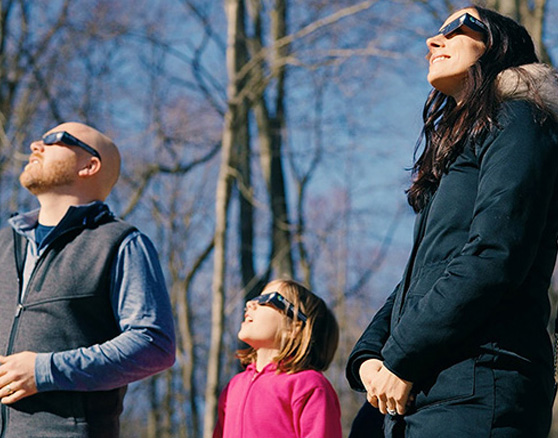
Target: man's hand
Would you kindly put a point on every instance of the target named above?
(385, 390)
(17, 376)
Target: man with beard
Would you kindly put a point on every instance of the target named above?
(83, 304)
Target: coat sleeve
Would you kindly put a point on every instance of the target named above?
(517, 182)
(371, 342)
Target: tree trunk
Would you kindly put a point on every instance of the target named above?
(530, 14)
(235, 18)
(270, 136)
(153, 415)
(250, 281)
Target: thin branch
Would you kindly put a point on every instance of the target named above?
(380, 255)
(305, 31)
(150, 171)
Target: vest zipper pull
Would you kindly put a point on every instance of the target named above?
(19, 308)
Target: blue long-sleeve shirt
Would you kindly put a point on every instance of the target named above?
(141, 306)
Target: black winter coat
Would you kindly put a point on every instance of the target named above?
(468, 322)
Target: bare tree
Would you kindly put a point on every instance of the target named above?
(270, 118)
(529, 13)
(235, 17)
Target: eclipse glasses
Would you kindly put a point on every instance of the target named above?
(278, 301)
(466, 20)
(67, 139)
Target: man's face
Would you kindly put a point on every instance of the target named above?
(50, 168)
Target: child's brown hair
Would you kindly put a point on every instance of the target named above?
(306, 345)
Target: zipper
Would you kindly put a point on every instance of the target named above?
(4, 419)
(20, 308)
(39, 263)
(19, 265)
(20, 261)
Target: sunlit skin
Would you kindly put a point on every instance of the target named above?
(17, 376)
(451, 56)
(263, 329)
(384, 390)
(50, 168)
(59, 176)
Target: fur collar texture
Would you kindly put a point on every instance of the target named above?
(521, 83)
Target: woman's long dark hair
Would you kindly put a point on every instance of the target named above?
(449, 127)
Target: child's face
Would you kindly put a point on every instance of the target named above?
(263, 325)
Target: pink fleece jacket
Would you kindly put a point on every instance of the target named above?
(266, 404)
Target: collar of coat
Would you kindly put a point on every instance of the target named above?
(522, 82)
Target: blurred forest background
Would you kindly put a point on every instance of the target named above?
(260, 139)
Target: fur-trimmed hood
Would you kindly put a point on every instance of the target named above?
(523, 82)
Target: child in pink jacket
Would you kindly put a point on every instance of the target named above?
(282, 393)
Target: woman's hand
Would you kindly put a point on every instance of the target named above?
(368, 372)
(385, 390)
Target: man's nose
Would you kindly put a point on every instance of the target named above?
(37, 146)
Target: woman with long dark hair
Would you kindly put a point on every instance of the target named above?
(461, 348)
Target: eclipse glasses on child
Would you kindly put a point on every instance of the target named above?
(278, 301)
(464, 20)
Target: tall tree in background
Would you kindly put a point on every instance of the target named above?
(268, 96)
(232, 136)
(531, 14)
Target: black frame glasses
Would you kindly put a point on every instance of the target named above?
(278, 301)
(464, 20)
(68, 139)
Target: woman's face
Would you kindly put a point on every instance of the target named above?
(451, 55)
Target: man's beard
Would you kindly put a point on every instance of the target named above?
(38, 180)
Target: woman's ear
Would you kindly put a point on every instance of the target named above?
(92, 167)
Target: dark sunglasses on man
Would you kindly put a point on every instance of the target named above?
(278, 301)
(67, 139)
(466, 20)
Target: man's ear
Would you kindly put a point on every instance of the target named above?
(92, 167)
